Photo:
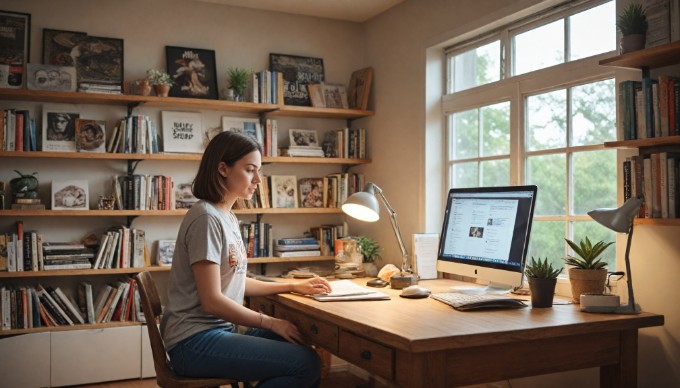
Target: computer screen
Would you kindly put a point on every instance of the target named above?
(485, 234)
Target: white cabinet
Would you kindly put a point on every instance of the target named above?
(148, 369)
(25, 361)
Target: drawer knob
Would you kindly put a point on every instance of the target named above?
(366, 355)
(314, 330)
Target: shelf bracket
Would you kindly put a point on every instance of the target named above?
(130, 107)
(132, 165)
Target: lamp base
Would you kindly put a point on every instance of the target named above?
(622, 309)
(403, 280)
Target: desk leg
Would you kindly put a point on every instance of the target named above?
(623, 374)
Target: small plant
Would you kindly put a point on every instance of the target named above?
(158, 77)
(238, 79)
(632, 20)
(369, 249)
(587, 253)
(541, 269)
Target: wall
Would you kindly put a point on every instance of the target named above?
(403, 46)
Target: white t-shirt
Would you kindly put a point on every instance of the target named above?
(206, 233)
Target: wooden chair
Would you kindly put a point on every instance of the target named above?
(165, 377)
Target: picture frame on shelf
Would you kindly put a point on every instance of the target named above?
(359, 88)
(184, 197)
(284, 191)
(166, 249)
(51, 77)
(59, 128)
(57, 46)
(298, 72)
(99, 66)
(15, 43)
(193, 72)
(311, 192)
(303, 138)
(182, 132)
(70, 195)
(244, 125)
(90, 135)
(328, 96)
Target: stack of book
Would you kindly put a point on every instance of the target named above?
(66, 255)
(100, 87)
(305, 151)
(28, 204)
(296, 247)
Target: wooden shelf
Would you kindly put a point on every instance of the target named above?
(297, 259)
(642, 143)
(69, 328)
(80, 272)
(657, 221)
(157, 213)
(659, 56)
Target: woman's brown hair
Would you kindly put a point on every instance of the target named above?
(227, 147)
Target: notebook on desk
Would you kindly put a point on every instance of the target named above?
(465, 302)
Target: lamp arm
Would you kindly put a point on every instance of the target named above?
(405, 266)
(629, 279)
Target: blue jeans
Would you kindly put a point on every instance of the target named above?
(259, 355)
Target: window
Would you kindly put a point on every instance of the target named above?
(544, 123)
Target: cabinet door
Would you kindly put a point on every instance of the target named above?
(25, 360)
(88, 356)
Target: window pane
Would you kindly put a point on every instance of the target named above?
(464, 134)
(593, 31)
(546, 120)
(496, 129)
(495, 172)
(594, 180)
(539, 48)
(465, 175)
(593, 113)
(547, 240)
(595, 233)
(548, 172)
(478, 66)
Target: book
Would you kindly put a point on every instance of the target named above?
(85, 301)
(100, 300)
(53, 307)
(111, 294)
(296, 241)
(70, 306)
(297, 253)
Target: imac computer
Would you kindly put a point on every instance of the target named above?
(485, 236)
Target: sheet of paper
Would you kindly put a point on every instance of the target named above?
(348, 290)
(425, 251)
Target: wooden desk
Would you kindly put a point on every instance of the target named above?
(425, 343)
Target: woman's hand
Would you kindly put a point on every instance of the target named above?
(315, 285)
(286, 330)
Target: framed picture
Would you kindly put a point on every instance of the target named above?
(193, 71)
(59, 128)
(57, 46)
(14, 48)
(70, 195)
(359, 88)
(182, 132)
(51, 77)
(284, 191)
(90, 135)
(303, 138)
(166, 248)
(328, 96)
(297, 72)
(311, 192)
(184, 197)
(99, 64)
(246, 126)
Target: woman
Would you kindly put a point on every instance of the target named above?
(208, 282)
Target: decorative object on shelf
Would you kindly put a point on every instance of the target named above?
(328, 96)
(588, 274)
(364, 206)
(359, 88)
(238, 78)
(193, 71)
(244, 125)
(311, 192)
(24, 193)
(143, 87)
(297, 72)
(51, 77)
(304, 142)
(370, 253)
(166, 248)
(57, 46)
(542, 278)
(59, 128)
(621, 220)
(70, 195)
(105, 202)
(182, 132)
(160, 80)
(284, 191)
(99, 64)
(15, 43)
(632, 22)
(184, 197)
(90, 135)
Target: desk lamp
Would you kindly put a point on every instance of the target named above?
(621, 220)
(364, 206)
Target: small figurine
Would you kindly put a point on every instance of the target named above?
(105, 203)
(26, 186)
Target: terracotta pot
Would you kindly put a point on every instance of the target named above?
(161, 90)
(586, 281)
(542, 292)
(632, 43)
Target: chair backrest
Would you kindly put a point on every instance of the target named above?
(151, 305)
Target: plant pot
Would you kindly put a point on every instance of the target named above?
(632, 43)
(542, 292)
(586, 281)
(161, 90)
(143, 87)
(371, 269)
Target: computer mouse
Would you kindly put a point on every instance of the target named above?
(377, 282)
(415, 292)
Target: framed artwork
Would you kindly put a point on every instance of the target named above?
(182, 132)
(166, 248)
(51, 77)
(59, 128)
(90, 135)
(303, 138)
(311, 192)
(297, 72)
(328, 96)
(246, 126)
(184, 197)
(359, 88)
(14, 48)
(284, 191)
(193, 71)
(57, 46)
(70, 195)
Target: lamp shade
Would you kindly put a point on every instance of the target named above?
(363, 205)
(619, 219)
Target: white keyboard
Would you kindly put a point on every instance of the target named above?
(465, 302)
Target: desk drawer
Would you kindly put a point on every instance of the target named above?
(314, 331)
(264, 305)
(367, 354)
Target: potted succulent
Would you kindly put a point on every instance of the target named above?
(370, 250)
(160, 80)
(238, 81)
(632, 22)
(588, 273)
(542, 279)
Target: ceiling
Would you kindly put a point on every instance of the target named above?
(350, 10)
